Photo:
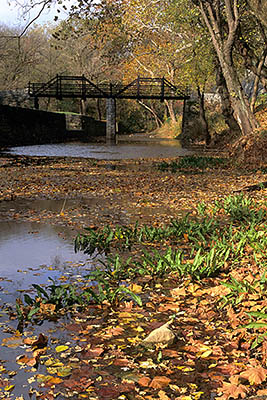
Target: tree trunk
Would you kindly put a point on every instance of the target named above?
(227, 110)
(158, 121)
(223, 45)
(98, 107)
(202, 116)
(257, 81)
(83, 107)
(169, 106)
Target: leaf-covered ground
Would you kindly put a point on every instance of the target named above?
(217, 350)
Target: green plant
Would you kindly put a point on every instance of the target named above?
(240, 289)
(113, 270)
(260, 323)
(62, 296)
(104, 292)
(192, 162)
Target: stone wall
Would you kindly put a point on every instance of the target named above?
(88, 127)
(92, 127)
(16, 98)
(21, 126)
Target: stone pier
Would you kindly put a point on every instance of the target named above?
(111, 120)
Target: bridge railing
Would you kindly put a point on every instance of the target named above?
(80, 86)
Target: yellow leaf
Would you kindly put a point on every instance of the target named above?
(9, 388)
(61, 348)
(206, 354)
(134, 339)
(197, 395)
(64, 371)
(135, 288)
(52, 362)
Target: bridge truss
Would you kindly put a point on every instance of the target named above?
(80, 87)
(62, 86)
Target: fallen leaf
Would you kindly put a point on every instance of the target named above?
(109, 392)
(92, 353)
(61, 348)
(47, 308)
(136, 288)
(160, 382)
(262, 392)
(25, 360)
(162, 395)
(233, 389)
(13, 341)
(178, 292)
(255, 375)
(121, 362)
(144, 381)
(64, 371)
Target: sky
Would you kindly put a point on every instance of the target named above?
(11, 15)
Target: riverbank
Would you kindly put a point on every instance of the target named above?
(101, 354)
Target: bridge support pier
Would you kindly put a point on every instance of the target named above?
(111, 120)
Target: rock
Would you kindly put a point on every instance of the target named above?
(163, 335)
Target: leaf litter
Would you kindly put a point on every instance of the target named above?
(214, 347)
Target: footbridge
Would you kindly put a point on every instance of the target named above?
(63, 86)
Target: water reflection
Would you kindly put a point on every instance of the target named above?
(52, 205)
(120, 151)
(32, 252)
(31, 244)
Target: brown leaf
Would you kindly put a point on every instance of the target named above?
(25, 360)
(178, 292)
(170, 353)
(231, 390)
(121, 362)
(144, 381)
(92, 353)
(54, 380)
(39, 343)
(234, 321)
(159, 382)
(108, 392)
(262, 392)
(47, 308)
(255, 375)
(162, 395)
(168, 306)
(126, 387)
(114, 331)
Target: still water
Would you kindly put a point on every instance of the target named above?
(32, 252)
(122, 150)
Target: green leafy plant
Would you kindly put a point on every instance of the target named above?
(196, 163)
(260, 323)
(104, 292)
(240, 289)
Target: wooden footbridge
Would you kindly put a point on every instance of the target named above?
(80, 87)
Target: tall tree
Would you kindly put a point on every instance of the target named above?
(222, 18)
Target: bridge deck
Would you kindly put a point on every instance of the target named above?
(81, 87)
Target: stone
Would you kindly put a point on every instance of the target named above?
(163, 335)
